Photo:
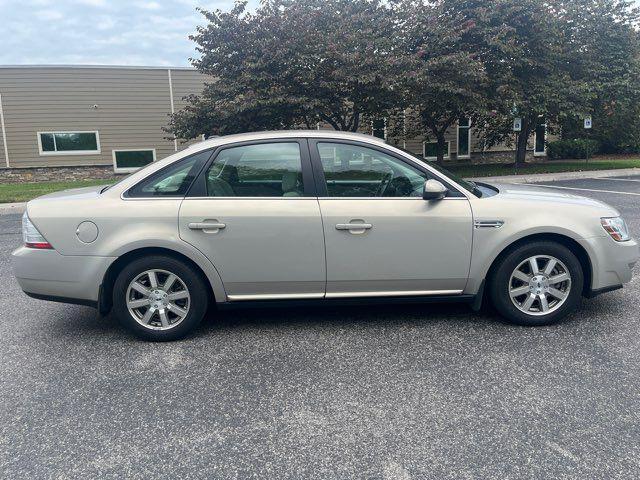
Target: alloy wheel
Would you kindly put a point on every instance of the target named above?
(540, 285)
(158, 299)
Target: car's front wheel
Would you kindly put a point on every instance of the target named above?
(159, 298)
(537, 284)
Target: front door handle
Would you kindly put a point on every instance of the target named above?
(354, 228)
(207, 227)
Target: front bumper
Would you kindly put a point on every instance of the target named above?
(612, 263)
(48, 275)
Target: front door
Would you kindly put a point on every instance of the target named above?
(382, 238)
(259, 223)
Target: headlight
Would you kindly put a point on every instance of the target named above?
(31, 236)
(617, 228)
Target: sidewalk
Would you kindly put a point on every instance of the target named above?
(554, 177)
(12, 208)
(18, 208)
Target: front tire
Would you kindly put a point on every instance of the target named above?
(536, 284)
(159, 298)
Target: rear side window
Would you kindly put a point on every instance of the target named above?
(262, 170)
(172, 181)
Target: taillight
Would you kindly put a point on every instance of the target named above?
(31, 236)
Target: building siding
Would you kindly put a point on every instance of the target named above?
(133, 105)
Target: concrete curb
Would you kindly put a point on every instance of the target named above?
(12, 208)
(554, 177)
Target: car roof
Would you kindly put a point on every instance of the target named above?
(270, 135)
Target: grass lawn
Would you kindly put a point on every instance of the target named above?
(21, 192)
(550, 166)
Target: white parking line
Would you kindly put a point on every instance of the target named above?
(616, 179)
(582, 189)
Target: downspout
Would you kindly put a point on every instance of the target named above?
(175, 140)
(4, 134)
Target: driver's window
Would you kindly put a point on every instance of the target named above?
(354, 171)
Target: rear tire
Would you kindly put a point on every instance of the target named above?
(159, 298)
(537, 284)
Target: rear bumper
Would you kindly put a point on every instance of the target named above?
(47, 275)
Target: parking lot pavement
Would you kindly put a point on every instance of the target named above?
(397, 392)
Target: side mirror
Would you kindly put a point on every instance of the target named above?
(434, 190)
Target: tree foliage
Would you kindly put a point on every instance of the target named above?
(446, 80)
(424, 63)
(292, 62)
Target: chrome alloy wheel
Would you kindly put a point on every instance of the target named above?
(158, 299)
(540, 285)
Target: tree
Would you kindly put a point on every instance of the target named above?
(446, 80)
(603, 34)
(292, 63)
(532, 73)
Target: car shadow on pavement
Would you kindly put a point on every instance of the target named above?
(76, 321)
(380, 314)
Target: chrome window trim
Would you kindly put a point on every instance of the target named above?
(127, 199)
(390, 198)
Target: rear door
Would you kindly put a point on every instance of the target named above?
(253, 212)
(382, 238)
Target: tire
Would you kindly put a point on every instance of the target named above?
(171, 314)
(515, 277)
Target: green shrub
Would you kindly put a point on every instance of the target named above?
(575, 148)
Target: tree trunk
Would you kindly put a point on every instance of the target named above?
(442, 145)
(523, 139)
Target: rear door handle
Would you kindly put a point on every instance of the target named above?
(207, 227)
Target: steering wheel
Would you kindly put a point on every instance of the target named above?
(384, 183)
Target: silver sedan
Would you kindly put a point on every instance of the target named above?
(314, 217)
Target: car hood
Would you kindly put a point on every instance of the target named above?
(529, 193)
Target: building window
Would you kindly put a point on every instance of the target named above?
(131, 160)
(540, 138)
(68, 143)
(379, 128)
(464, 138)
(430, 150)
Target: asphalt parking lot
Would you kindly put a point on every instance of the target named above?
(397, 392)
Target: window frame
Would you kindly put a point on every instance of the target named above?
(68, 152)
(458, 128)
(117, 169)
(199, 186)
(321, 186)
(433, 159)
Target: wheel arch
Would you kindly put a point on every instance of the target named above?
(105, 300)
(578, 250)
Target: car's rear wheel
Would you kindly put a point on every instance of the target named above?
(159, 298)
(537, 284)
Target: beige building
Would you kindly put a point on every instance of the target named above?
(74, 116)
(89, 116)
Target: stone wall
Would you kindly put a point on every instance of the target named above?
(500, 157)
(56, 174)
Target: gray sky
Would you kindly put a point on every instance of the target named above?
(111, 32)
